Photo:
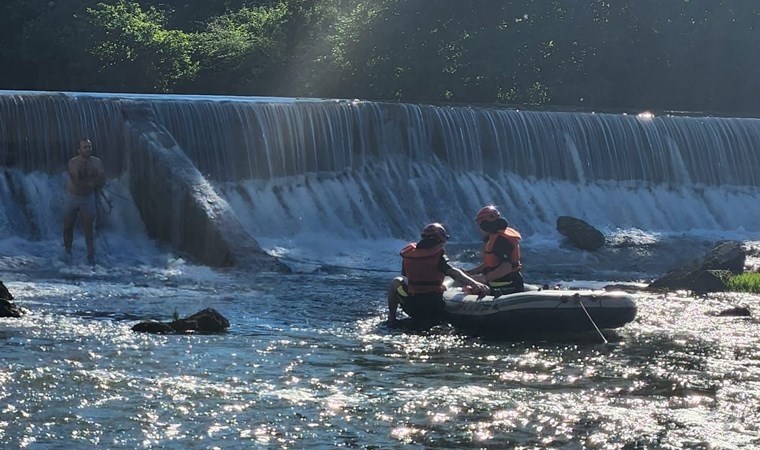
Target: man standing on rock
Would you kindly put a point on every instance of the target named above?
(86, 175)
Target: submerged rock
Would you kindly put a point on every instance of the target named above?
(580, 233)
(7, 307)
(739, 311)
(153, 327)
(208, 320)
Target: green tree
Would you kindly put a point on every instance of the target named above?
(193, 15)
(136, 52)
(239, 50)
(464, 51)
(682, 54)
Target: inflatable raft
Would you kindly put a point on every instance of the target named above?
(539, 311)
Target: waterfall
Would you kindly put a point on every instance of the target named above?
(378, 170)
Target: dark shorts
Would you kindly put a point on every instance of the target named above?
(423, 306)
(508, 285)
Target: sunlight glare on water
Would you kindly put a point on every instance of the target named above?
(314, 366)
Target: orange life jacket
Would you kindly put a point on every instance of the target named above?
(421, 268)
(491, 261)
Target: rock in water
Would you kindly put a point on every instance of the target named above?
(208, 320)
(727, 256)
(580, 233)
(7, 307)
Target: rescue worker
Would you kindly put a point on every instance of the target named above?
(501, 254)
(419, 291)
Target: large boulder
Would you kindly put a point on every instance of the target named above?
(728, 256)
(179, 206)
(208, 320)
(580, 233)
(711, 281)
(7, 307)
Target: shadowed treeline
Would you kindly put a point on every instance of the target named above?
(630, 54)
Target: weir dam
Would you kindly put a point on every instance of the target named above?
(210, 176)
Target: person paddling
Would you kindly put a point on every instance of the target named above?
(501, 253)
(419, 291)
(85, 176)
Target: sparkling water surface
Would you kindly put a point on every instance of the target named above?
(309, 363)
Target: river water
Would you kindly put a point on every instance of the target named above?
(309, 363)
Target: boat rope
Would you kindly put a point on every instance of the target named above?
(580, 302)
(100, 197)
(334, 266)
(116, 195)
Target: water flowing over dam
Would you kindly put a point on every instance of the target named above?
(366, 170)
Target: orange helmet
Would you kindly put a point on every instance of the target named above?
(435, 230)
(487, 214)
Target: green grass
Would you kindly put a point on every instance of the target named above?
(746, 282)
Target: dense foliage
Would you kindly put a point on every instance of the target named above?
(695, 55)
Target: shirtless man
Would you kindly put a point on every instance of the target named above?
(86, 174)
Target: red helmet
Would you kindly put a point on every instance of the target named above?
(435, 230)
(487, 214)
